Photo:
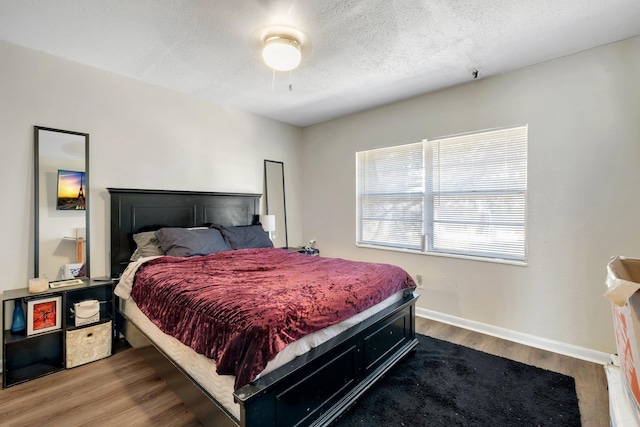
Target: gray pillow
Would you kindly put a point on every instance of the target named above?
(184, 242)
(245, 237)
(147, 245)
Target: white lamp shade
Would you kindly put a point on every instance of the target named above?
(268, 222)
(281, 53)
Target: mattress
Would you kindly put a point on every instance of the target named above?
(203, 369)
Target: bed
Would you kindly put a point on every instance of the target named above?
(311, 388)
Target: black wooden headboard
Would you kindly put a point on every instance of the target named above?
(133, 211)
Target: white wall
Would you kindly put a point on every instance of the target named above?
(141, 136)
(583, 113)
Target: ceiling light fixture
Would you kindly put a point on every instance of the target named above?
(282, 53)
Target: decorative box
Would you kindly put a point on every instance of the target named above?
(88, 344)
(86, 312)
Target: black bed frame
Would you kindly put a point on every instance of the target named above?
(313, 389)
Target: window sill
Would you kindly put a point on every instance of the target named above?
(438, 254)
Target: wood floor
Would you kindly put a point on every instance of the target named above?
(124, 391)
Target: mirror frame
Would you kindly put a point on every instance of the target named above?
(273, 209)
(36, 174)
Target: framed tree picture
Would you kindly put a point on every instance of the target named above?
(44, 315)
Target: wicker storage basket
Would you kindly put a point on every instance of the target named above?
(88, 344)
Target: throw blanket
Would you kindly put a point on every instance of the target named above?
(242, 307)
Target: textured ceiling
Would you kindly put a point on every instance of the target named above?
(357, 54)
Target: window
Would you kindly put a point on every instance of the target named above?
(390, 202)
(458, 195)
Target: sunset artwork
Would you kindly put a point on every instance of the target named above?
(71, 186)
(44, 315)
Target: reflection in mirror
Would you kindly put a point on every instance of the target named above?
(275, 200)
(61, 204)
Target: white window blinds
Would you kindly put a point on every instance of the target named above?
(477, 194)
(460, 195)
(390, 196)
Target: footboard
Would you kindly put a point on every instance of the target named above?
(311, 390)
(315, 388)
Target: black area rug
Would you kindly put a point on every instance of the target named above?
(445, 384)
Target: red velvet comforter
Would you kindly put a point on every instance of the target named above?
(242, 307)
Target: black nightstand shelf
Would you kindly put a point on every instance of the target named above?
(301, 249)
(27, 357)
(32, 357)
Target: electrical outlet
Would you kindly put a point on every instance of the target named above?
(419, 280)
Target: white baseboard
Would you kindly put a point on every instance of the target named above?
(570, 350)
(507, 334)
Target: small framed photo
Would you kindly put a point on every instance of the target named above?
(44, 315)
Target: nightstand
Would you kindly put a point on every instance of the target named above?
(50, 341)
(300, 249)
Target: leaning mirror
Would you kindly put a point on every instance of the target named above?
(275, 201)
(61, 204)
